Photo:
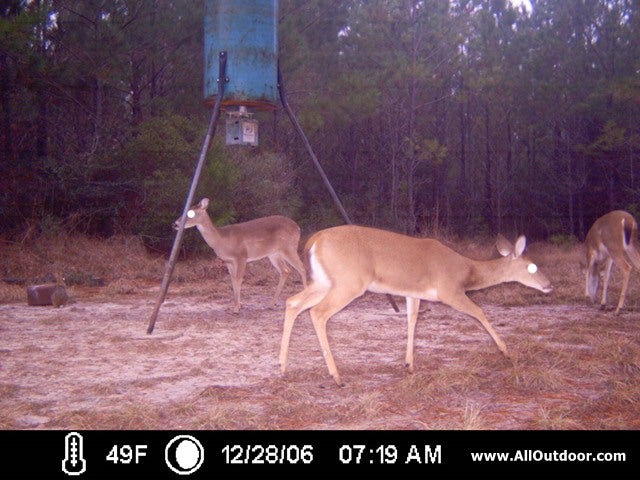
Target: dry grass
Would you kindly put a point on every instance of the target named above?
(554, 418)
(124, 265)
(121, 264)
(472, 419)
(573, 366)
(12, 293)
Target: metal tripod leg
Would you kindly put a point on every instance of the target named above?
(194, 184)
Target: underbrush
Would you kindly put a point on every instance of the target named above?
(120, 263)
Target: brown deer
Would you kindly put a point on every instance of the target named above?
(275, 237)
(346, 261)
(611, 239)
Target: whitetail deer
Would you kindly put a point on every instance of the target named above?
(611, 239)
(275, 237)
(346, 261)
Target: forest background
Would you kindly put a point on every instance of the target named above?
(434, 117)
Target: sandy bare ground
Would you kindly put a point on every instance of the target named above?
(92, 365)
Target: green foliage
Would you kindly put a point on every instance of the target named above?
(241, 183)
(567, 242)
(355, 96)
(611, 141)
(491, 114)
(161, 161)
(265, 185)
(425, 150)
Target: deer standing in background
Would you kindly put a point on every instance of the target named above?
(275, 237)
(611, 239)
(347, 261)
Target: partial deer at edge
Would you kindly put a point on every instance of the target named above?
(275, 237)
(611, 239)
(347, 261)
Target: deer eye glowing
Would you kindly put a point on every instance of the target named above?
(191, 214)
(532, 268)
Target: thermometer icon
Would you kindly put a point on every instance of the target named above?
(74, 462)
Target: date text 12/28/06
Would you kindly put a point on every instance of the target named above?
(267, 454)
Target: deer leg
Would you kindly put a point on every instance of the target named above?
(297, 304)
(283, 272)
(592, 279)
(605, 283)
(292, 257)
(463, 304)
(626, 273)
(413, 305)
(335, 300)
(236, 271)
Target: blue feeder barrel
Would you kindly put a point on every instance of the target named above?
(247, 31)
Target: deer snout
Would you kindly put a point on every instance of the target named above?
(540, 282)
(545, 285)
(176, 224)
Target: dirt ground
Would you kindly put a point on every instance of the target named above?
(91, 365)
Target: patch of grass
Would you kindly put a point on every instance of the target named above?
(12, 293)
(625, 391)
(458, 378)
(555, 418)
(622, 352)
(122, 286)
(129, 417)
(186, 409)
(8, 390)
(365, 405)
(221, 393)
(293, 391)
(31, 349)
(57, 317)
(21, 414)
(535, 378)
(107, 389)
(472, 417)
(287, 409)
(225, 417)
(616, 408)
(537, 367)
(79, 257)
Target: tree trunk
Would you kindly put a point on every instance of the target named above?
(5, 85)
(488, 163)
(462, 179)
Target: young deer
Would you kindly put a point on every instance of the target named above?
(611, 239)
(275, 237)
(348, 260)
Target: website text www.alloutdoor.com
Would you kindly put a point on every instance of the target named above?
(548, 456)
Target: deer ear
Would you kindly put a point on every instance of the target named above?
(521, 244)
(504, 246)
(204, 203)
